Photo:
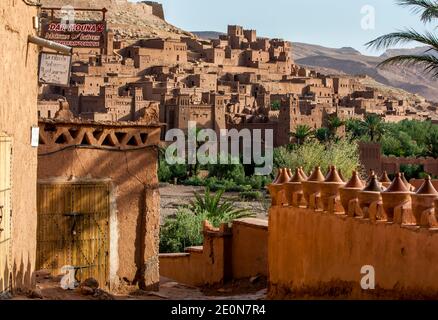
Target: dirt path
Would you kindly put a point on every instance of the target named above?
(49, 289)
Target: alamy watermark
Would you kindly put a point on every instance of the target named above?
(206, 146)
(368, 281)
(368, 21)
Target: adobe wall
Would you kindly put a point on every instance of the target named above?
(249, 248)
(18, 113)
(157, 9)
(315, 254)
(372, 159)
(227, 254)
(132, 171)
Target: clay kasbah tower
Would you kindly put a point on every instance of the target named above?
(212, 173)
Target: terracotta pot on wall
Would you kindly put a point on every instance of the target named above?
(350, 191)
(384, 180)
(424, 200)
(303, 174)
(330, 189)
(294, 189)
(276, 188)
(406, 182)
(369, 195)
(312, 185)
(395, 196)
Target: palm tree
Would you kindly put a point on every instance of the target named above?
(302, 133)
(217, 209)
(356, 128)
(429, 59)
(322, 134)
(373, 125)
(333, 124)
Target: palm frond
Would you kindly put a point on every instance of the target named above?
(429, 62)
(427, 8)
(404, 37)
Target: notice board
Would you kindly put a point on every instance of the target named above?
(54, 69)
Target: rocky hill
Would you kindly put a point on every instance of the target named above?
(350, 61)
(129, 20)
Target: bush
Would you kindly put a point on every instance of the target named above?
(215, 184)
(344, 154)
(413, 171)
(181, 231)
(185, 228)
(218, 210)
(232, 172)
(194, 181)
(258, 182)
(164, 173)
(251, 195)
(167, 173)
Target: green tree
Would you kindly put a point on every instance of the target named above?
(302, 133)
(428, 9)
(333, 124)
(322, 134)
(344, 154)
(432, 143)
(355, 128)
(374, 127)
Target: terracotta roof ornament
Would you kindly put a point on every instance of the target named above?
(373, 185)
(297, 177)
(277, 177)
(396, 196)
(406, 182)
(289, 173)
(398, 185)
(371, 174)
(303, 174)
(350, 192)
(423, 203)
(294, 189)
(316, 175)
(355, 182)
(330, 192)
(284, 177)
(427, 188)
(333, 176)
(385, 178)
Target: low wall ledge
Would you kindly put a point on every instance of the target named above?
(252, 222)
(173, 255)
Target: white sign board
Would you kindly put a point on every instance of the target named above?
(54, 69)
(35, 137)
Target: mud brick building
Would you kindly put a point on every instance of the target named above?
(98, 200)
(18, 159)
(252, 75)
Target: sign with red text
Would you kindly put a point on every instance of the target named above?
(77, 35)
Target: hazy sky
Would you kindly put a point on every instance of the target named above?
(331, 23)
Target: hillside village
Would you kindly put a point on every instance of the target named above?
(82, 122)
(239, 80)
